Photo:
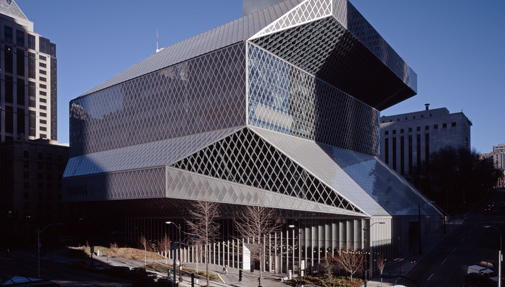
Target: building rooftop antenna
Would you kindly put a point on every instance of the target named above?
(157, 38)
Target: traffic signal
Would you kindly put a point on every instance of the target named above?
(240, 275)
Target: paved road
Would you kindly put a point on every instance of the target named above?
(446, 265)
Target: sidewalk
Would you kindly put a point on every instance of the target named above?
(250, 279)
(406, 264)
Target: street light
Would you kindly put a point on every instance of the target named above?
(499, 252)
(175, 249)
(364, 253)
(38, 244)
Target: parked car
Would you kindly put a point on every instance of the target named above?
(483, 271)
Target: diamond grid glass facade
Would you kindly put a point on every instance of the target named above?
(199, 95)
(247, 159)
(285, 117)
(286, 99)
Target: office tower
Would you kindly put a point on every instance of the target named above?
(28, 73)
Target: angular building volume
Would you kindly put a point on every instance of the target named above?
(280, 109)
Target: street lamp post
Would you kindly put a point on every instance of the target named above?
(175, 248)
(420, 229)
(499, 252)
(38, 245)
(364, 253)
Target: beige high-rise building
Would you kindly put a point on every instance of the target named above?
(499, 156)
(28, 68)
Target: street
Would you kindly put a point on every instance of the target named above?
(468, 244)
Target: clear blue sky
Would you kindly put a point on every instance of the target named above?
(456, 47)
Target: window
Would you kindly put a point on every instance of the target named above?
(26, 195)
(9, 89)
(386, 151)
(8, 34)
(394, 132)
(20, 38)
(43, 72)
(43, 86)
(31, 65)
(410, 130)
(43, 107)
(43, 121)
(43, 79)
(43, 58)
(402, 131)
(43, 115)
(453, 124)
(20, 62)
(9, 59)
(42, 93)
(426, 128)
(42, 65)
(386, 132)
(435, 126)
(26, 154)
(31, 42)
(21, 92)
(42, 100)
(43, 129)
(444, 125)
(418, 129)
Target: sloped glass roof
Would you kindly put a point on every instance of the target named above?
(145, 155)
(362, 179)
(222, 36)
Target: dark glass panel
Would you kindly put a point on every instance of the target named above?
(20, 62)
(9, 90)
(21, 122)
(31, 42)
(9, 59)
(8, 37)
(21, 92)
(20, 38)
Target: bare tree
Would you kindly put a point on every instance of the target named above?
(381, 263)
(256, 223)
(164, 246)
(350, 260)
(203, 224)
(143, 244)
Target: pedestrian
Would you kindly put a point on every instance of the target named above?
(225, 269)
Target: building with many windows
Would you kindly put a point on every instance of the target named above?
(408, 139)
(28, 108)
(498, 158)
(279, 108)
